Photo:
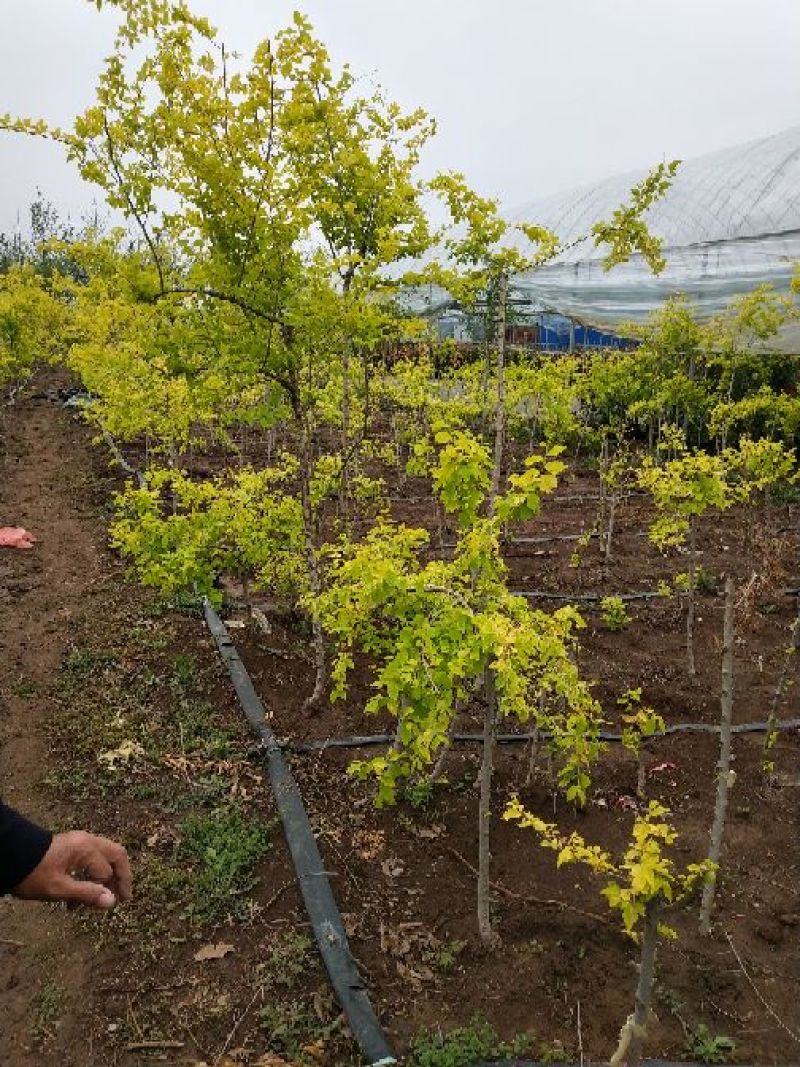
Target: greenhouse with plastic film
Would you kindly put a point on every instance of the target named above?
(729, 222)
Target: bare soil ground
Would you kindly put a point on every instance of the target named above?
(89, 664)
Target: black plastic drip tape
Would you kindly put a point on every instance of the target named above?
(593, 598)
(604, 1063)
(314, 885)
(518, 739)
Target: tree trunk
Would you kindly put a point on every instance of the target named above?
(612, 512)
(724, 765)
(438, 767)
(641, 773)
(500, 411)
(344, 479)
(601, 510)
(488, 935)
(312, 563)
(690, 605)
(533, 756)
(632, 1038)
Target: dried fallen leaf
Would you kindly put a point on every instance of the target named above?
(392, 867)
(415, 976)
(126, 752)
(663, 767)
(430, 833)
(213, 952)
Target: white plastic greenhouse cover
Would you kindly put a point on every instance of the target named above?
(730, 221)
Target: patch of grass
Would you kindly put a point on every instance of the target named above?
(288, 960)
(223, 849)
(463, 1046)
(83, 661)
(289, 1025)
(207, 791)
(24, 689)
(184, 670)
(72, 783)
(195, 731)
(180, 604)
(309, 1032)
(46, 1008)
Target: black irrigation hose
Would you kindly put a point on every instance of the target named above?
(595, 1063)
(314, 885)
(593, 598)
(518, 739)
(585, 598)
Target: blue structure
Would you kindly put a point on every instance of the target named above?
(560, 334)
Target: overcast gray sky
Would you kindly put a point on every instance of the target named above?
(531, 96)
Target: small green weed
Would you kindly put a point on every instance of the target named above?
(47, 1007)
(464, 1045)
(706, 581)
(419, 793)
(614, 613)
(24, 689)
(223, 848)
(707, 1046)
(184, 668)
(292, 1027)
(288, 960)
(446, 956)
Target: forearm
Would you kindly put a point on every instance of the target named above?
(23, 845)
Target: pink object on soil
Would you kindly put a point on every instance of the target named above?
(16, 537)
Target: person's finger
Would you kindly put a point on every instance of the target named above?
(105, 861)
(92, 894)
(123, 876)
(98, 869)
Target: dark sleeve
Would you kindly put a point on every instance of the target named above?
(22, 847)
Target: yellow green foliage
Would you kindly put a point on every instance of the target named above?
(31, 318)
(181, 535)
(644, 876)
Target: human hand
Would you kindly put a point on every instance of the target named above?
(80, 868)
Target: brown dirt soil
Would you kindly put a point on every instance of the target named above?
(88, 661)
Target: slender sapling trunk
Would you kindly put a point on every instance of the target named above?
(724, 779)
(312, 563)
(691, 596)
(487, 933)
(488, 936)
(500, 411)
(632, 1035)
(612, 512)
